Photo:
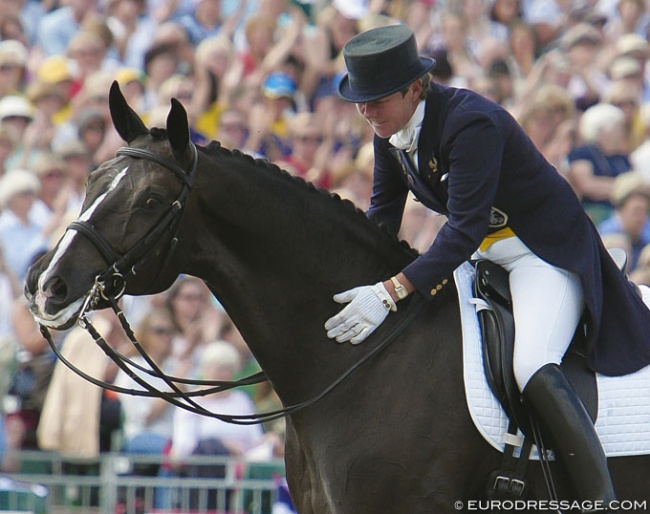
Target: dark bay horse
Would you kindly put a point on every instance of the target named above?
(395, 436)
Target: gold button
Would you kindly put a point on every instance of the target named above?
(444, 281)
(434, 292)
(438, 287)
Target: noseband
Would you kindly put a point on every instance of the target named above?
(113, 280)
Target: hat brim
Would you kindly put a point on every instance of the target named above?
(346, 93)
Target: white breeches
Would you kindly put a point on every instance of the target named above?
(547, 303)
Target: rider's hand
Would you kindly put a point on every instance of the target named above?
(367, 309)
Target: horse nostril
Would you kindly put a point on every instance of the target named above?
(55, 289)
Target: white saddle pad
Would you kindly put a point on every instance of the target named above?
(623, 422)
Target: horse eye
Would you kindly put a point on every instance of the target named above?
(153, 202)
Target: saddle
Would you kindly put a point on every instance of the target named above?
(497, 326)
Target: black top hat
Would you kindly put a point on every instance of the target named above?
(380, 62)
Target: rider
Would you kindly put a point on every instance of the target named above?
(466, 157)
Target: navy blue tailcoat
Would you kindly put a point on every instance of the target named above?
(477, 166)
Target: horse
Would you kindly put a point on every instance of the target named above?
(393, 433)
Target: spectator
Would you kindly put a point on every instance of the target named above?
(34, 368)
(631, 199)
(233, 131)
(600, 158)
(582, 44)
(627, 97)
(268, 122)
(13, 63)
(132, 30)
(79, 418)
(192, 431)
(310, 153)
(59, 26)
(197, 320)
(6, 148)
(77, 166)
(20, 237)
(148, 422)
(16, 114)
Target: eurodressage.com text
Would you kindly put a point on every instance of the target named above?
(550, 505)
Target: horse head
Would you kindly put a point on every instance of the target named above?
(128, 221)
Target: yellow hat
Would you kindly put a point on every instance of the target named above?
(54, 69)
(126, 75)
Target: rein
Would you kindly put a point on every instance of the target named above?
(122, 266)
(186, 402)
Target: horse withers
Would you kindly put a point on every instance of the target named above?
(395, 434)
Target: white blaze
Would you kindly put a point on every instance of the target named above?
(40, 299)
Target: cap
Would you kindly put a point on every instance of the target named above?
(15, 182)
(581, 34)
(13, 52)
(623, 67)
(278, 85)
(72, 148)
(15, 106)
(631, 44)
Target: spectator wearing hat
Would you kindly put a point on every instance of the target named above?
(13, 61)
(20, 237)
(51, 202)
(268, 130)
(634, 46)
(49, 101)
(631, 199)
(77, 165)
(507, 205)
(16, 114)
(599, 159)
(131, 81)
(87, 52)
(57, 70)
(583, 44)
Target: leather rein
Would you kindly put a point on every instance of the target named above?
(110, 285)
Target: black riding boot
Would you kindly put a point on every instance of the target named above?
(573, 436)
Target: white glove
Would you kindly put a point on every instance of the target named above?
(368, 308)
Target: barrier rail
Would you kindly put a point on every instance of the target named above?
(118, 483)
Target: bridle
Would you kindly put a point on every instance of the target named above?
(110, 285)
(120, 267)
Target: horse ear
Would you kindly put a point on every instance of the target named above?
(178, 128)
(127, 122)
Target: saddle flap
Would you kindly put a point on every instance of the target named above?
(498, 334)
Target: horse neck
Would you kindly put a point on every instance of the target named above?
(274, 251)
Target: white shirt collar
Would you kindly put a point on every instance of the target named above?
(407, 138)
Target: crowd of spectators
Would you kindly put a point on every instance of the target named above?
(261, 76)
